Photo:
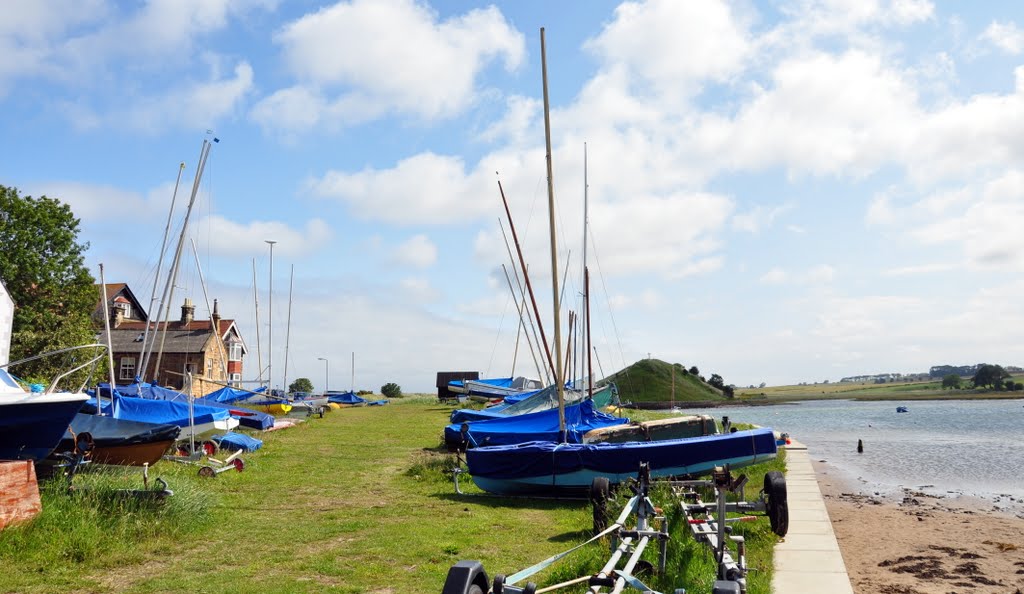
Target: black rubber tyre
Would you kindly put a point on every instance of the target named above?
(475, 589)
(600, 493)
(778, 506)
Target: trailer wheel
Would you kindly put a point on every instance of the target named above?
(778, 507)
(600, 492)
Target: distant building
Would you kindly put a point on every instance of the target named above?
(211, 350)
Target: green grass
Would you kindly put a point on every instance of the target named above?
(358, 501)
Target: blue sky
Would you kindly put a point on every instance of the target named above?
(778, 191)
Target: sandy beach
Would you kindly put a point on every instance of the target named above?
(915, 543)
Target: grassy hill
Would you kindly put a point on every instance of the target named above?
(650, 380)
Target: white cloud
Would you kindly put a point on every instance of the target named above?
(775, 276)
(196, 105)
(1005, 36)
(675, 48)
(758, 218)
(407, 63)
(226, 237)
(416, 251)
(422, 189)
(819, 275)
(419, 289)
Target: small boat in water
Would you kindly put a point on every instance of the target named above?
(901, 409)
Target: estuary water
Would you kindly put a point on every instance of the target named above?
(940, 447)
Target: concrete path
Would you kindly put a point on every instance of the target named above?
(808, 560)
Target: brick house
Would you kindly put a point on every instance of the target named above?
(189, 345)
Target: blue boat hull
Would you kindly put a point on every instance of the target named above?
(31, 428)
(546, 467)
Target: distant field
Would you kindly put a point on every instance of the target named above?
(920, 390)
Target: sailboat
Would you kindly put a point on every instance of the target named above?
(555, 463)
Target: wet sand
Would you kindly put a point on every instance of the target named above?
(916, 543)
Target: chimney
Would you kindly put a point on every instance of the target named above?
(116, 316)
(188, 312)
(216, 316)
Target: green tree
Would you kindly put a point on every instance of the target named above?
(716, 381)
(989, 375)
(391, 390)
(694, 370)
(951, 381)
(729, 391)
(301, 385)
(42, 266)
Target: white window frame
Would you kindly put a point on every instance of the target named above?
(235, 351)
(235, 379)
(127, 372)
(126, 308)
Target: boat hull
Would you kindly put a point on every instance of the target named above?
(548, 468)
(31, 425)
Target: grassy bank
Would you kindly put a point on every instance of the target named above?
(916, 390)
(358, 501)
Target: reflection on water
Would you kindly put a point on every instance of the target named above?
(973, 447)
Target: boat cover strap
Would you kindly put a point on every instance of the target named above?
(521, 575)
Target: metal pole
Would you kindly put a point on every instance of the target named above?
(110, 350)
(353, 386)
(327, 373)
(288, 330)
(270, 323)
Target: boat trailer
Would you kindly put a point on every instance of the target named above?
(707, 521)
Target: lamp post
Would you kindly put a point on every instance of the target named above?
(327, 372)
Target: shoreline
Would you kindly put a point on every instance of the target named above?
(915, 543)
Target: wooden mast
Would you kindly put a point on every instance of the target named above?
(559, 380)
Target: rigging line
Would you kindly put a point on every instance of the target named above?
(530, 314)
(501, 324)
(604, 287)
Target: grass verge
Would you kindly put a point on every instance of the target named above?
(360, 501)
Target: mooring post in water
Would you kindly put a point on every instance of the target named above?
(860, 446)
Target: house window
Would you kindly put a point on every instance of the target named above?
(127, 368)
(209, 368)
(236, 378)
(235, 351)
(126, 308)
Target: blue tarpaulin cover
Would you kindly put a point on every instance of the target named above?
(525, 459)
(165, 411)
(345, 398)
(252, 419)
(538, 426)
(237, 441)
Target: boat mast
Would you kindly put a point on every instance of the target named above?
(586, 277)
(522, 322)
(213, 323)
(529, 286)
(352, 388)
(270, 323)
(288, 330)
(256, 304)
(141, 373)
(173, 278)
(546, 374)
(559, 382)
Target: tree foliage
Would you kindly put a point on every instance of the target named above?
(990, 376)
(391, 390)
(42, 266)
(716, 381)
(951, 382)
(301, 385)
(694, 370)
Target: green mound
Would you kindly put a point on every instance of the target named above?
(650, 380)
